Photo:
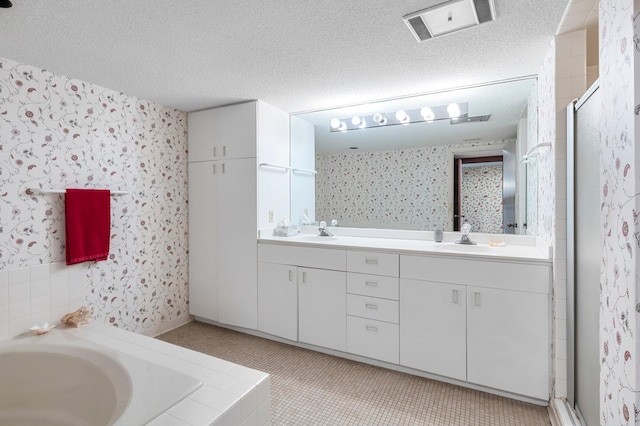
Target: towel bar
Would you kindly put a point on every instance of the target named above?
(62, 191)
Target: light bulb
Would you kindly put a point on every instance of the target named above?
(377, 118)
(453, 110)
(402, 116)
(383, 121)
(335, 123)
(363, 124)
(427, 114)
(343, 126)
(356, 120)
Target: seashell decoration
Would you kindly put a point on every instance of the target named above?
(81, 316)
(37, 330)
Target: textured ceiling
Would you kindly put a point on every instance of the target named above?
(296, 55)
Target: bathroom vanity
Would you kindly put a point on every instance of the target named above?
(478, 316)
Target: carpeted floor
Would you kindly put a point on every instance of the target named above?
(310, 388)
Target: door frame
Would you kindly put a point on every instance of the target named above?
(482, 159)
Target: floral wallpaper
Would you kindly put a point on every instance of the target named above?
(532, 168)
(482, 198)
(619, 55)
(545, 167)
(401, 189)
(57, 132)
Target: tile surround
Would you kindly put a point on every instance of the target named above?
(28, 296)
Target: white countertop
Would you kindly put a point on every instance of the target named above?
(415, 246)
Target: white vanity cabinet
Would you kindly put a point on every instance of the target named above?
(322, 308)
(508, 340)
(222, 241)
(223, 133)
(433, 331)
(372, 305)
(278, 300)
(507, 320)
(224, 148)
(320, 277)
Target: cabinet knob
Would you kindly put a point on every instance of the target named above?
(476, 297)
(371, 284)
(290, 275)
(371, 261)
(371, 306)
(215, 169)
(215, 151)
(224, 150)
(223, 168)
(304, 277)
(454, 296)
(372, 328)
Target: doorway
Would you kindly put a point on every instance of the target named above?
(478, 193)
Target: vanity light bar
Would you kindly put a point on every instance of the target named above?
(451, 112)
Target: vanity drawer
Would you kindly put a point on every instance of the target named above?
(319, 258)
(373, 308)
(482, 273)
(373, 285)
(373, 339)
(373, 263)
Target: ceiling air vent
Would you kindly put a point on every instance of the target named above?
(449, 17)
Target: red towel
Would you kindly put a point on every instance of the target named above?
(88, 223)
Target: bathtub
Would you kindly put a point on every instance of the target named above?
(63, 378)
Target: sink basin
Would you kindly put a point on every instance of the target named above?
(317, 238)
(464, 248)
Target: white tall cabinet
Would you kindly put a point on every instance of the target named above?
(227, 206)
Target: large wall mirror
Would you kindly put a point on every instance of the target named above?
(428, 170)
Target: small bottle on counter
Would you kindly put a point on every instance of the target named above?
(438, 234)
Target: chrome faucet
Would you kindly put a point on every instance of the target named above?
(465, 229)
(323, 230)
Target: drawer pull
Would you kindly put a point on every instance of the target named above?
(372, 328)
(476, 296)
(371, 284)
(454, 296)
(371, 261)
(371, 306)
(290, 275)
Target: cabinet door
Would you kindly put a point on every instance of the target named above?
(278, 300)
(203, 239)
(204, 134)
(508, 341)
(238, 249)
(238, 132)
(322, 307)
(433, 327)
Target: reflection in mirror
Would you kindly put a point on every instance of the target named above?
(403, 176)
